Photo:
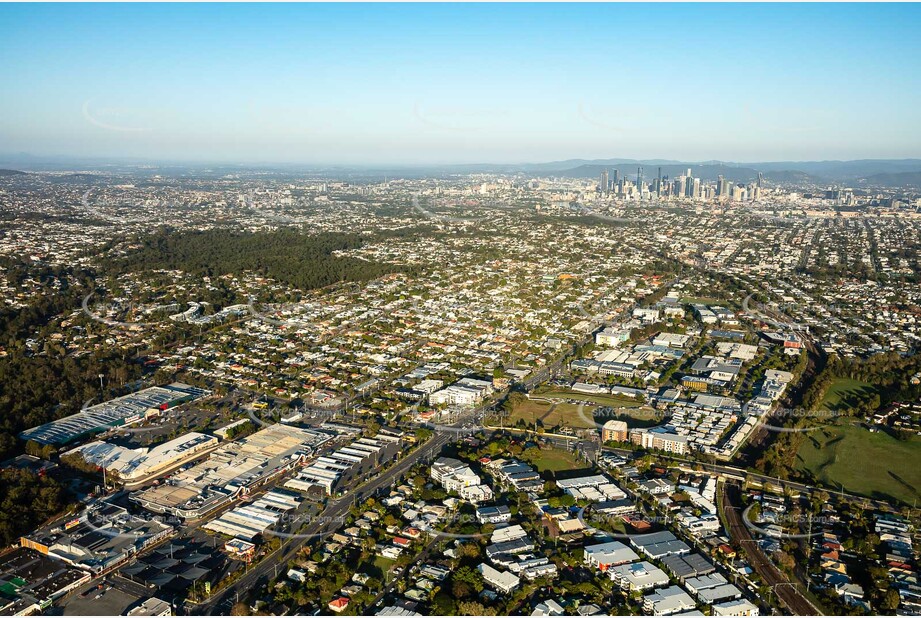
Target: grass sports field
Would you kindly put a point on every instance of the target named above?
(846, 454)
(842, 391)
(875, 465)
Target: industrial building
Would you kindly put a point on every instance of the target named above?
(248, 521)
(232, 470)
(688, 565)
(114, 413)
(341, 466)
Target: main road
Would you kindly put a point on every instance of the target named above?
(326, 521)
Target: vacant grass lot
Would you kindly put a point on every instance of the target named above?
(875, 465)
(567, 414)
(635, 417)
(701, 300)
(551, 415)
(555, 460)
(529, 411)
(604, 400)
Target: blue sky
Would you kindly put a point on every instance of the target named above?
(419, 83)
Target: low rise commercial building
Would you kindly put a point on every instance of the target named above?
(738, 607)
(638, 576)
(141, 464)
(605, 555)
(102, 538)
(667, 601)
(152, 607)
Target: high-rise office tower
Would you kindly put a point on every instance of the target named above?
(639, 180)
(760, 180)
(695, 192)
(659, 184)
(722, 188)
(616, 178)
(604, 182)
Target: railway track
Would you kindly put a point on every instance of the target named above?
(784, 589)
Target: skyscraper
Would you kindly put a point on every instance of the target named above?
(604, 182)
(722, 188)
(639, 180)
(659, 184)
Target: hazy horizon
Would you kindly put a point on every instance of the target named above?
(62, 159)
(423, 85)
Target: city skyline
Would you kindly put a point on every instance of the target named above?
(449, 84)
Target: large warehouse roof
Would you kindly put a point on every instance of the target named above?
(112, 413)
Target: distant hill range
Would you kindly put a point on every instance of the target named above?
(900, 179)
(864, 172)
(704, 171)
(857, 173)
(878, 172)
(11, 173)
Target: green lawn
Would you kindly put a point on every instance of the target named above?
(567, 414)
(637, 417)
(554, 460)
(529, 411)
(385, 565)
(842, 390)
(701, 300)
(875, 465)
